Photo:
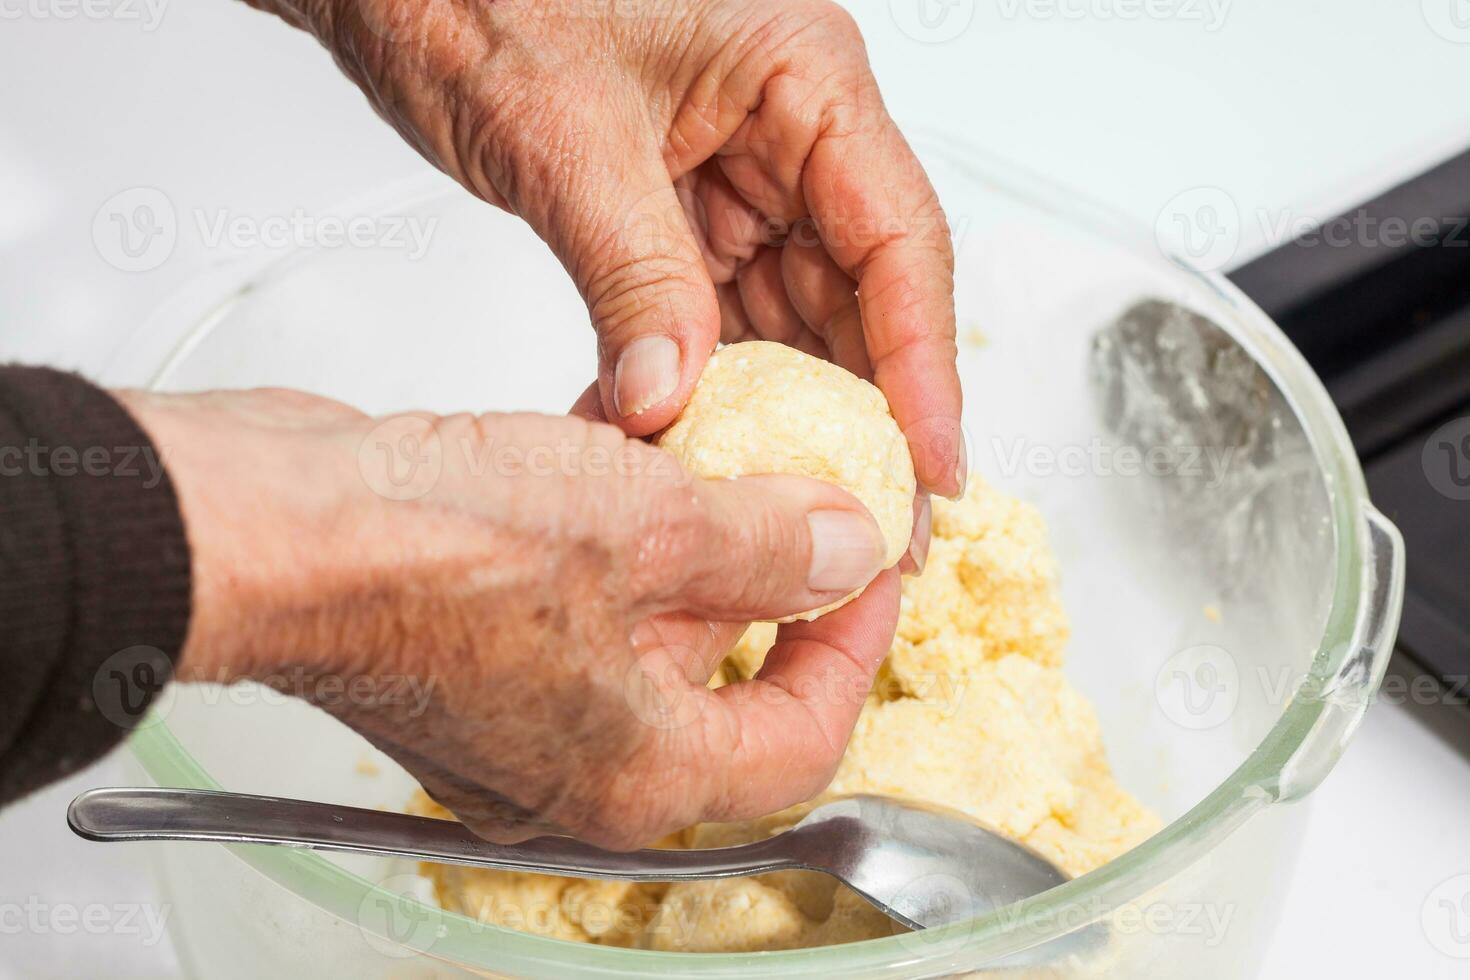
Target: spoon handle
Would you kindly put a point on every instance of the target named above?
(110, 815)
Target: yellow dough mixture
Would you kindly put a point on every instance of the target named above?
(761, 407)
(971, 710)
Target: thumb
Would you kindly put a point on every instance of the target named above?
(624, 234)
(771, 546)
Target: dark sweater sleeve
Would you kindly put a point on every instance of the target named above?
(94, 575)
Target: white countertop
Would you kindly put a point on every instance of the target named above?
(1290, 109)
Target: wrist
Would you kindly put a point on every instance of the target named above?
(255, 550)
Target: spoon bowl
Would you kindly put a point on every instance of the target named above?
(921, 864)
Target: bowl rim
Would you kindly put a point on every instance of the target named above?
(1261, 780)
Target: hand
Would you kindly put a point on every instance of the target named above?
(705, 169)
(560, 592)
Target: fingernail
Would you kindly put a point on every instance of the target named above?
(847, 551)
(961, 471)
(647, 373)
(919, 545)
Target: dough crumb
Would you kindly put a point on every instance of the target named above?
(973, 337)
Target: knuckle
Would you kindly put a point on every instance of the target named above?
(763, 541)
(934, 231)
(840, 22)
(768, 534)
(674, 536)
(623, 293)
(822, 25)
(904, 300)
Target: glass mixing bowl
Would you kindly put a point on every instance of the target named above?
(1234, 595)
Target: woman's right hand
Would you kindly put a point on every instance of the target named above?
(705, 169)
(557, 593)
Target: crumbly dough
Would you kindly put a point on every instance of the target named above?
(971, 710)
(761, 407)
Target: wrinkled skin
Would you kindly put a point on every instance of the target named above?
(563, 610)
(705, 170)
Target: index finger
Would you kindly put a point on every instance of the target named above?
(881, 222)
(776, 740)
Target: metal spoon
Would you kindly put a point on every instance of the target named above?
(922, 865)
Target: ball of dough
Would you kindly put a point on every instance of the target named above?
(763, 407)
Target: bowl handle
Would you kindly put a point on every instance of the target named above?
(1346, 695)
